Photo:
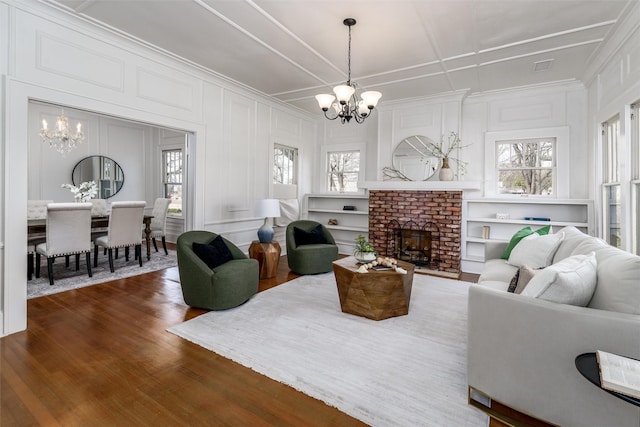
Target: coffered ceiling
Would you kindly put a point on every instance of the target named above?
(294, 49)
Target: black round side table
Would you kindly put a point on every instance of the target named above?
(587, 365)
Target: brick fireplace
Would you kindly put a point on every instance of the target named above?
(422, 207)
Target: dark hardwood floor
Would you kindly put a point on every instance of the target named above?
(101, 356)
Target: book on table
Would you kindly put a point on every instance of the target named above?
(618, 373)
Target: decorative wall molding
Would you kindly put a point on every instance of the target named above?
(58, 56)
(421, 185)
(166, 90)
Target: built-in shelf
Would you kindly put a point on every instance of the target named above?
(351, 228)
(480, 218)
(341, 211)
(351, 223)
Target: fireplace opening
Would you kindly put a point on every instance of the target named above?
(413, 243)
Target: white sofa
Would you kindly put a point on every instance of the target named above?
(521, 350)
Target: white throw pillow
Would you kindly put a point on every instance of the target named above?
(536, 251)
(570, 281)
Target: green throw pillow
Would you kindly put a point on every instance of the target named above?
(544, 230)
(521, 234)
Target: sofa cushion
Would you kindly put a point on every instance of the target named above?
(572, 238)
(535, 250)
(497, 270)
(570, 281)
(591, 244)
(498, 285)
(618, 281)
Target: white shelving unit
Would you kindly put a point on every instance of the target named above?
(481, 213)
(322, 207)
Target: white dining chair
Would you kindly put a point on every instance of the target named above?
(99, 207)
(68, 233)
(123, 232)
(159, 222)
(36, 209)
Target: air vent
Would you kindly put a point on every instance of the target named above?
(542, 65)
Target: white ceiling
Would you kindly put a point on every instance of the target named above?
(295, 49)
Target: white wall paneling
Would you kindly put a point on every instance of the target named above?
(70, 60)
(532, 110)
(237, 148)
(179, 92)
(134, 83)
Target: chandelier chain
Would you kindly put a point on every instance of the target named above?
(349, 60)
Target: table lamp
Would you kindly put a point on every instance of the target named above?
(267, 208)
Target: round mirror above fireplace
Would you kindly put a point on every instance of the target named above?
(103, 170)
(413, 159)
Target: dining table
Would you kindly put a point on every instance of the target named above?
(38, 227)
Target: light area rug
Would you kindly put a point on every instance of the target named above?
(402, 371)
(67, 278)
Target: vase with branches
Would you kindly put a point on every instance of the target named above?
(445, 148)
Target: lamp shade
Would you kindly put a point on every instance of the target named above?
(371, 98)
(325, 100)
(343, 92)
(268, 208)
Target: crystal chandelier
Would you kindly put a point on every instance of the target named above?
(347, 105)
(60, 138)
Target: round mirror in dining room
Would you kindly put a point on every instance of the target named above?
(413, 159)
(105, 171)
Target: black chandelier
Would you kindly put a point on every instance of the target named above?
(347, 105)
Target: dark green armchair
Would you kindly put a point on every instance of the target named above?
(310, 258)
(222, 287)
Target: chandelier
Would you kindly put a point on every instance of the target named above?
(60, 138)
(347, 105)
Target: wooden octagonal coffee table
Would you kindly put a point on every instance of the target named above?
(377, 294)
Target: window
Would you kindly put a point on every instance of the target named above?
(635, 177)
(172, 179)
(526, 166)
(285, 161)
(343, 170)
(611, 183)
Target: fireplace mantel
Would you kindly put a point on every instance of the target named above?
(421, 185)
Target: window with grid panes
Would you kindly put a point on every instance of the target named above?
(526, 166)
(172, 168)
(635, 176)
(343, 170)
(611, 182)
(285, 161)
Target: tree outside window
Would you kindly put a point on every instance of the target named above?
(172, 168)
(526, 166)
(343, 170)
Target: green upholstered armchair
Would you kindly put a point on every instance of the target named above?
(222, 287)
(314, 258)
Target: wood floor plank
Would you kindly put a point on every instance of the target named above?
(101, 356)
